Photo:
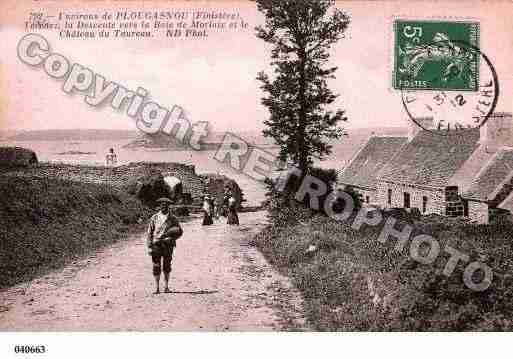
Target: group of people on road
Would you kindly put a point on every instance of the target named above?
(164, 229)
(228, 208)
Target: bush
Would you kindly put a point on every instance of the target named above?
(282, 206)
(353, 282)
(148, 186)
(45, 222)
(181, 211)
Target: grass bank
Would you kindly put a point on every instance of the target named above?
(350, 281)
(46, 222)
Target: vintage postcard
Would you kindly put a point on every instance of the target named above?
(255, 166)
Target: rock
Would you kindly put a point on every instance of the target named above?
(148, 186)
(311, 249)
(17, 156)
(175, 187)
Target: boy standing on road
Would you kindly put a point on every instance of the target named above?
(163, 231)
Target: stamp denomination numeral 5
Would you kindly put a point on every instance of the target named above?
(415, 32)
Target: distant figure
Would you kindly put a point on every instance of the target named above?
(216, 209)
(224, 204)
(233, 217)
(207, 211)
(163, 231)
(111, 158)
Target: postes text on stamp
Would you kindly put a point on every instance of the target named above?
(427, 55)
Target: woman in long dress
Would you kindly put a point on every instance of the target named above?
(233, 218)
(207, 212)
(215, 207)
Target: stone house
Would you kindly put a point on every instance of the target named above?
(362, 170)
(463, 174)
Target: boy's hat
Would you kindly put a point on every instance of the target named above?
(164, 200)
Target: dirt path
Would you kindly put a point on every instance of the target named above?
(219, 283)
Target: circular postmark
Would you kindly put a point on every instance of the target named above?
(470, 93)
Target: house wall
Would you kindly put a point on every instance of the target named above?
(435, 202)
(370, 193)
(364, 192)
(478, 211)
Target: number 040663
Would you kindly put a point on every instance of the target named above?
(29, 349)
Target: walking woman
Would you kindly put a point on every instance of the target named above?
(233, 217)
(215, 207)
(207, 211)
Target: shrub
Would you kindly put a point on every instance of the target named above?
(283, 207)
(148, 186)
(181, 211)
(46, 222)
(352, 282)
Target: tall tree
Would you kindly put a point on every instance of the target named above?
(297, 96)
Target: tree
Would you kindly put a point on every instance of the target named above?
(297, 96)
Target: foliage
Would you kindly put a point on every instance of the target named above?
(353, 282)
(297, 96)
(148, 186)
(45, 223)
(216, 186)
(282, 205)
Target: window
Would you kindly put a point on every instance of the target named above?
(367, 199)
(390, 197)
(451, 194)
(406, 200)
(424, 204)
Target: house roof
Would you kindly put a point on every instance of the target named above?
(493, 182)
(369, 160)
(431, 159)
(464, 177)
(507, 203)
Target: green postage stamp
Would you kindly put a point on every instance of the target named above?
(436, 55)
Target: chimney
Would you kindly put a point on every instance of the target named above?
(425, 122)
(497, 131)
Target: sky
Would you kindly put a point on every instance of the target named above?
(214, 79)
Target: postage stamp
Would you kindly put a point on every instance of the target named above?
(453, 110)
(428, 55)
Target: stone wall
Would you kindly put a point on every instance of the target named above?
(120, 175)
(435, 197)
(192, 183)
(478, 211)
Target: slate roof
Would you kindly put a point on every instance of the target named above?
(363, 169)
(493, 182)
(507, 203)
(431, 159)
(463, 178)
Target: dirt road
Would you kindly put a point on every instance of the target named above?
(219, 283)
